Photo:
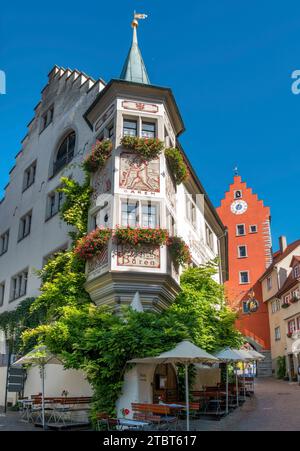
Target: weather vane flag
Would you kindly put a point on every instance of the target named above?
(137, 17)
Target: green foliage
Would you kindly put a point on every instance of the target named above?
(281, 367)
(148, 149)
(100, 343)
(177, 164)
(92, 244)
(76, 206)
(97, 159)
(179, 250)
(13, 323)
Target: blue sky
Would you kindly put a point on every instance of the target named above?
(229, 64)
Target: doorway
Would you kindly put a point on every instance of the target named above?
(165, 385)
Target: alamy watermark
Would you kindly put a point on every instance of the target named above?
(2, 82)
(296, 83)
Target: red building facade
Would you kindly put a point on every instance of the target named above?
(250, 253)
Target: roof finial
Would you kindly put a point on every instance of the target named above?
(236, 171)
(134, 69)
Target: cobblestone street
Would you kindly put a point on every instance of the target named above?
(275, 407)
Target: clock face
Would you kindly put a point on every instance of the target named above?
(239, 207)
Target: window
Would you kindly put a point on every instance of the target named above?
(171, 224)
(190, 210)
(132, 211)
(298, 323)
(19, 285)
(244, 277)
(54, 204)
(129, 128)
(253, 229)
(54, 253)
(25, 226)
(291, 326)
(240, 229)
(110, 131)
(274, 307)
(238, 194)
(269, 283)
(150, 217)
(29, 176)
(209, 237)
(286, 299)
(148, 130)
(295, 294)
(129, 213)
(65, 152)
(277, 334)
(296, 272)
(2, 292)
(242, 251)
(278, 304)
(47, 118)
(246, 307)
(4, 239)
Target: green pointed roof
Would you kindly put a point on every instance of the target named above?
(134, 68)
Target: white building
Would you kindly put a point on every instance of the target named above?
(74, 112)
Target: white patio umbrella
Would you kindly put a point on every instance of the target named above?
(248, 357)
(39, 356)
(227, 356)
(185, 353)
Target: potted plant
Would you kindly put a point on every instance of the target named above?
(92, 244)
(125, 412)
(100, 153)
(139, 236)
(289, 334)
(285, 305)
(179, 250)
(148, 148)
(177, 165)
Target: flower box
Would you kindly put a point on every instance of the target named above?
(92, 244)
(285, 305)
(148, 148)
(294, 299)
(141, 236)
(100, 153)
(177, 165)
(289, 334)
(179, 251)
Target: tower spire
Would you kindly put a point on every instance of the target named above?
(134, 69)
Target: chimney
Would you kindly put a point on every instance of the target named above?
(282, 244)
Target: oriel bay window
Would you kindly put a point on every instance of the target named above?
(140, 214)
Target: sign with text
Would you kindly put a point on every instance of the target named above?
(143, 257)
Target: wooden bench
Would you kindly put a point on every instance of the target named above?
(157, 414)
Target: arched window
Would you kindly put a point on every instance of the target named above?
(65, 152)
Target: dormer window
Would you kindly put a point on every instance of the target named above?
(297, 272)
(238, 194)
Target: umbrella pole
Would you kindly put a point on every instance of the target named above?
(43, 395)
(187, 398)
(237, 386)
(244, 377)
(227, 391)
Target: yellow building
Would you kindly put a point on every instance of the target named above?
(281, 291)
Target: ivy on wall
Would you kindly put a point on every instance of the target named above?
(97, 341)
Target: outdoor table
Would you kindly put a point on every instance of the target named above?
(132, 424)
(26, 409)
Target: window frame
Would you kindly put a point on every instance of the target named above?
(29, 176)
(24, 225)
(250, 229)
(59, 164)
(240, 277)
(296, 271)
(2, 293)
(19, 285)
(244, 246)
(139, 211)
(235, 194)
(58, 201)
(237, 229)
(4, 242)
(277, 333)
